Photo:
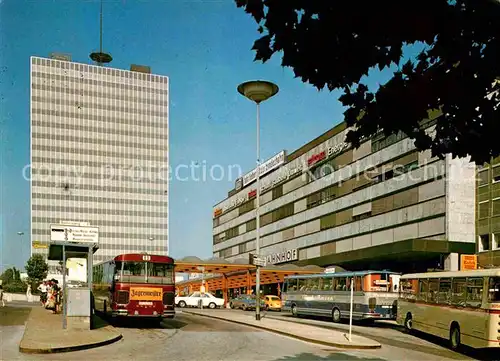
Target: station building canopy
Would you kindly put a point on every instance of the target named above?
(239, 273)
(192, 264)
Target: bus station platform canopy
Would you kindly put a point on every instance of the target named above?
(223, 275)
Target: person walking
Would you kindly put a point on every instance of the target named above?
(1, 296)
(29, 296)
(43, 292)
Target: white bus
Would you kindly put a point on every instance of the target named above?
(462, 306)
(328, 294)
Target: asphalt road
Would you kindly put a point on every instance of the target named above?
(394, 340)
(189, 338)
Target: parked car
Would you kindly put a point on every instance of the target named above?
(208, 300)
(245, 302)
(272, 303)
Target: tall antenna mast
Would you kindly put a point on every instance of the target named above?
(101, 57)
(100, 31)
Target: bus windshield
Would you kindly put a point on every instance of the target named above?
(494, 289)
(145, 272)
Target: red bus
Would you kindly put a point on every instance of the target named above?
(135, 285)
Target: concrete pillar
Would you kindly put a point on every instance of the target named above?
(224, 289)
(452, 262)
(249, 283)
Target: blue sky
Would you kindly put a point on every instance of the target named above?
(204, 47)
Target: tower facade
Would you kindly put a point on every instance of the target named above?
(99, 155)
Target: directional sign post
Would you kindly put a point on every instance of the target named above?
(70, 233)
(260, 261)
(256, 260)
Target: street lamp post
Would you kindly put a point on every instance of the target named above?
(151, 239)
(257, 91)
(20, 234)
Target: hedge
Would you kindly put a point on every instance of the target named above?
(15, 287)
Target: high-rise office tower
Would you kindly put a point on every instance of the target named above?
(99, 154)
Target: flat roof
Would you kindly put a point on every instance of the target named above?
(471, 273)
(237, 274)
(191, 264)
(340, 274)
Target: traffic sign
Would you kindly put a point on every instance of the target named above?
(256, 260)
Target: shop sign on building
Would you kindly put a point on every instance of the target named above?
(282, 257)
(330, 152)
(238, 184)
(265, 168)
(468, 262)
(234, 203)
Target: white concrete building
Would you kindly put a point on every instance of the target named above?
(99, 154)
(381, 206)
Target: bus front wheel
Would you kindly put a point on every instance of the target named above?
(408, 323)
(294, 310)
(336, 315)
(455, 337)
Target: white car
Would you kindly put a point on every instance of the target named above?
(192, 300)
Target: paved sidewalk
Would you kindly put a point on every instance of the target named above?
(303, 332)
(44, 334)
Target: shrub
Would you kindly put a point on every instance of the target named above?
(15, 287)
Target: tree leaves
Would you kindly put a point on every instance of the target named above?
(36, 268)
(335, 43)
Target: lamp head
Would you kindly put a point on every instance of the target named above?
(258, 90)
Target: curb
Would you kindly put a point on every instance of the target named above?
(306, 339)
(326, 327)
(69, 348)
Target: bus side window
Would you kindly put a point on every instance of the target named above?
(474, 292)
(358, 284)
(327, 284)
(433, 290)
(341, 284)
(302, 284)
(423, 287)
(106, 273)
(408, 289)
(312, 284)
(335, 283)
(444, 294)
(459, 291)
(308, 285)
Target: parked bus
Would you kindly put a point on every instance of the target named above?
(135, 285)
(462, 306)
(375, 295)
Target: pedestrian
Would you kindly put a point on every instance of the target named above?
(57, 295)
(29, 296)
(1, 296)
(43, 292)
